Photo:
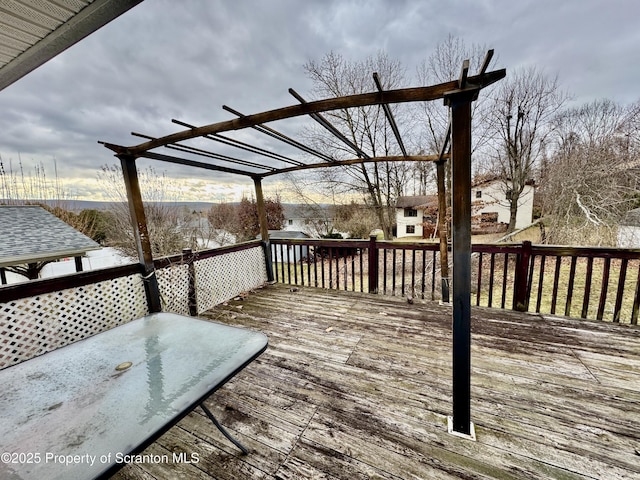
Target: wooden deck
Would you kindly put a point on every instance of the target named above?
(357, 386)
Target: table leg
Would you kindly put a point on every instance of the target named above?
(222, 430)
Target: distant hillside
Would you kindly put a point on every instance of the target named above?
(78, 205)
(290, 209)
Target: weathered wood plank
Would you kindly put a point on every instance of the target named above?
(358, 386)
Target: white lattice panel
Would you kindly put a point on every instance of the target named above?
(223, 277)
(35, 325)
(173, 283)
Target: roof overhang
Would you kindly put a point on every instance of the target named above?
(45, 257)
(32, 32)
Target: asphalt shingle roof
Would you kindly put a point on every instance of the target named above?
(28, 233)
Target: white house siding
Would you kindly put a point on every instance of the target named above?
(402, 222)
(628, 236)
(295, 224)
(493, 199)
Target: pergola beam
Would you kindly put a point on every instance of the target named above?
(414, 94)
(355, 161)
(195, 163)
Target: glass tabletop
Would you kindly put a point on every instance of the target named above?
(75, 411)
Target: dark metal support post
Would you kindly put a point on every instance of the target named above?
(139, 222)
(373, 264)
(264, 228)
(78, 263)
(3, 276)
(520, 300)
(460, 105)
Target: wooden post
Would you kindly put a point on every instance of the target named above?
(3, 276)
(373, 264)
(188, 259)
(443, 231)
(460, 106)
(140, 231)
(520, 300)
(78, 260)
(264, 228)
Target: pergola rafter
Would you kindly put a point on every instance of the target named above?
(217, 137)
(389, 115)
(458, 96)
(273, 133)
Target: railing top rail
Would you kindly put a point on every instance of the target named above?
(165, 262)
(31, 288)
(510, 248)
(9, 293)
(355, 243)
(597, 252)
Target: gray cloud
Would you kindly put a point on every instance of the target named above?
(166, 59)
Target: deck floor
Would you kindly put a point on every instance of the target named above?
(358, 386)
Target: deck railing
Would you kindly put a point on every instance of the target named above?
(42, 315)
(599, 283)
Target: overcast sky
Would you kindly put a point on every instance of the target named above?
(169, 59)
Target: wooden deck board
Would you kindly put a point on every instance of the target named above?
(358, 386)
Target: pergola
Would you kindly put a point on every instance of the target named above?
(457, 95)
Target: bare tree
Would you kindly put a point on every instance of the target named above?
(592, 177)
(366, 127)
(523, 107)
(163, 217)
(444, 65)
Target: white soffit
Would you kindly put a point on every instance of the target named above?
(34, 31)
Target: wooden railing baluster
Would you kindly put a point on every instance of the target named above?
(556, 279)
(401, 275)
(621, 281)
(587, 288)
(604, 288)
(572, 274)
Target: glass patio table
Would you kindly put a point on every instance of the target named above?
(84, 410)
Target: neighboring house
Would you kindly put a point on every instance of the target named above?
(288, 253)
(296, 218)
(313, 220)
(197, 231)
(629, 230)
(417, 216)
(492, 196)
(32, 237)
(413, 212)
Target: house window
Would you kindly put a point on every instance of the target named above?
(411, 229)
(478, 193)
(508, 194)
(290, 222)
(410, 212)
